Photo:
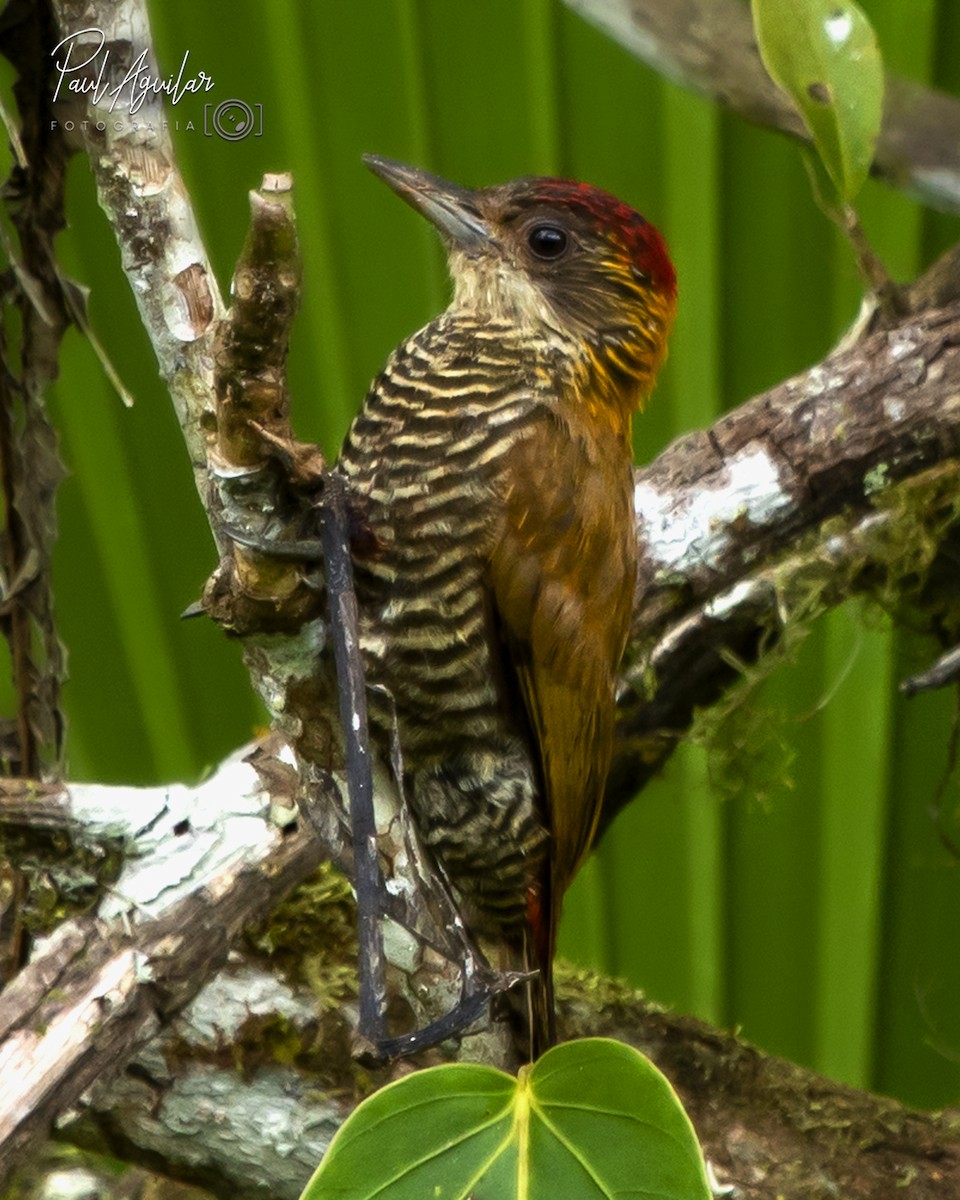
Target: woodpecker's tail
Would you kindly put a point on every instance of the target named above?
(528, 1006)
(541, 1014)
(533, 1002)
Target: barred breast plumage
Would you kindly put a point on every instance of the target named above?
(426, 454)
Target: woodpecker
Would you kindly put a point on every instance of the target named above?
(496, 572)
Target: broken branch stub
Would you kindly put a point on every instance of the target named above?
(252, 590)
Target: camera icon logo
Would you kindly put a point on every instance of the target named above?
(233, 120)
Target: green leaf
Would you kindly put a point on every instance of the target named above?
(591, 1119)
(824, 54)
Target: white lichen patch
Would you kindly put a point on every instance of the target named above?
(729, 601)
(75, 1184)
(285, 754)
(816, 382)
(293, 657)
(221, 1007)
(191, 834)
(283, 660)
(116, 812)
(263, 1133)
(682, 535)
(894, 409)
(902, 343)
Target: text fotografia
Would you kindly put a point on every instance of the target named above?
(120, 126)
(86, 74)
(233, 120)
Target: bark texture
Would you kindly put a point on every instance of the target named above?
(709, 47)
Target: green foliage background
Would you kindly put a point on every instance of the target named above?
(814, 906)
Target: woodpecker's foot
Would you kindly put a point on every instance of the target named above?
(372, 1052)
(457, 1021)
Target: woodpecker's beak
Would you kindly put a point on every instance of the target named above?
(452, 209)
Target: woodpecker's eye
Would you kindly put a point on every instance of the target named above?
(547, 241)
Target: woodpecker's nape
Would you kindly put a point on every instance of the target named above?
(493, 453)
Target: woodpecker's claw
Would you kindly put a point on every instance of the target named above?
(298, 549)
(945, 671)
(511, 979)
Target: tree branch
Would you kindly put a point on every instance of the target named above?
(772, 1128)
(201, 863)
(239, 1084)
(143, 194)
(838, 482)
(708, 46)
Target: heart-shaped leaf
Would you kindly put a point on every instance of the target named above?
(590, 1120)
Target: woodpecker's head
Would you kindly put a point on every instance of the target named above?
(554, 256)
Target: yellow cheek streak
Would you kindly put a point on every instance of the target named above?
(603, 394)
(614, 377)
(626, 364)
